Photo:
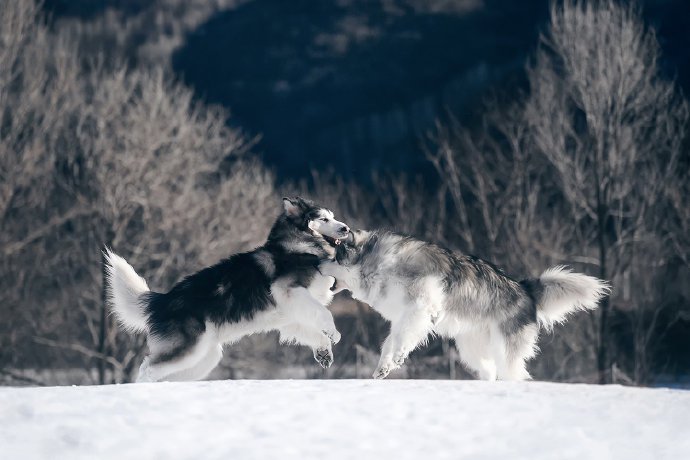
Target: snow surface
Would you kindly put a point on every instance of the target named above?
(344, 419)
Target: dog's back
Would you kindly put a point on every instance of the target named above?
(231, 291)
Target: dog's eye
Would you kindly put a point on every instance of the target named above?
(323, 219)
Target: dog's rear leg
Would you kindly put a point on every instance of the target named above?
(202, 368)
(406, 334)
(313, 338)
(474, 350)
(166, 360)
(518, 347)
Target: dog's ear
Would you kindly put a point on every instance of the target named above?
(291, 206)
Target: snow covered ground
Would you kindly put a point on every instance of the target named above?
(344, 419)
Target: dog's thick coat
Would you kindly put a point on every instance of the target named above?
(274, 287)
(424, 289)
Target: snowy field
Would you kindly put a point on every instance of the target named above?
(346, 419)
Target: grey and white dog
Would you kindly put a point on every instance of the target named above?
(277, 286)
(424, 289)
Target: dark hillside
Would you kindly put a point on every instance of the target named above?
(352, 84)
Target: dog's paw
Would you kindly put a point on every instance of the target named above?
(399, 359)
(333, 336)
(386, 365)
(382, 372)
(324, 357)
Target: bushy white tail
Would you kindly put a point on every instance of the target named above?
(124, 289)
(564, 292)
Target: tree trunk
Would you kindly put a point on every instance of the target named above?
(103, 325)
(603, 350)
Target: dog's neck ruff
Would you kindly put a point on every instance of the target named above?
(306, 247)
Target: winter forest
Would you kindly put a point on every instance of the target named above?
(530, 134)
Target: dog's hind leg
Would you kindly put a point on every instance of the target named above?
(386, 365)
(169, 357)
(519, 347)
(474, 349)
(313, 338)
(201, 369)
(407, 333)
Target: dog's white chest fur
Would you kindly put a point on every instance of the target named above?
(387, 299)
(320, 288)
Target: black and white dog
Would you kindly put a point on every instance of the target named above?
(274, 287)
(424, 289)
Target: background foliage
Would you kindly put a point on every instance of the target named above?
(526, 135)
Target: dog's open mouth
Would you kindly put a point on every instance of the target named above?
(347, 239)
(332, 241)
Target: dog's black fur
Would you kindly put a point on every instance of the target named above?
(238, 287)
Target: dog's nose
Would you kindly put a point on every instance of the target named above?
(345, 229)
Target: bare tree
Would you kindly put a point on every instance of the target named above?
(37, 81)
(583, 169)
(610, 126)
(92, 155)
(158, 162)
(503, 206)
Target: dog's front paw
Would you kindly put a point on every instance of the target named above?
(333, 336)
(399, 359)
(324, 357)
(386, 365)
(382, 372)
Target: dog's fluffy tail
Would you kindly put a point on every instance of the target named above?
(559, 292)
(124, 289)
